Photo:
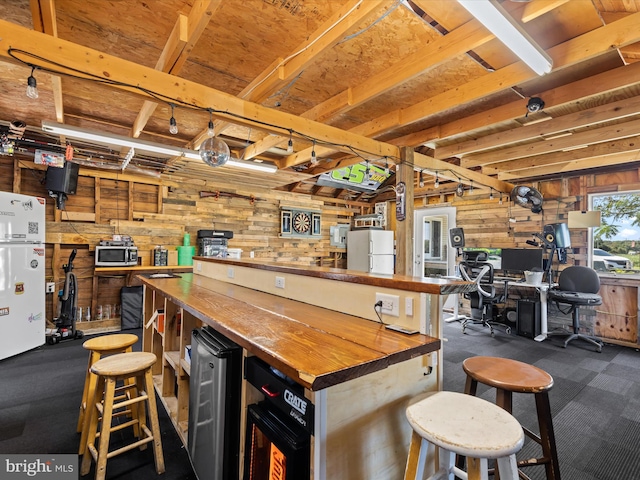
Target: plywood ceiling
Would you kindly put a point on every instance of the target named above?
(360, 77)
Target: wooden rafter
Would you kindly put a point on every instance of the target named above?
(179, 45)
(623, 32)
(132, 75)
(43, 14)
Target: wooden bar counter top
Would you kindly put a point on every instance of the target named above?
(315, 346)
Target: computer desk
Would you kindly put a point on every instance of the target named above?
(542, 289)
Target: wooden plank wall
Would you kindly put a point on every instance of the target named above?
(157, 213)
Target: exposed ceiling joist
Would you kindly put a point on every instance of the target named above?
(243, 112)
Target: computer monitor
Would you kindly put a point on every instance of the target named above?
(518, 260)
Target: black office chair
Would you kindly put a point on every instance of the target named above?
(577, 286)
(474, 268)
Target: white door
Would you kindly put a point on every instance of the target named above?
(433, 255)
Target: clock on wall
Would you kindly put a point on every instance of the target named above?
(299, 223)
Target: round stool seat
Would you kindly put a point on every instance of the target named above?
(511, 376)
(123, 364)
(107, 343)
(507, 374)
(466, 425)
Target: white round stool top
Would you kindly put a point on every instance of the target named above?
(465, 424)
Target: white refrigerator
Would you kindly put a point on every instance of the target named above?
(371, 251)
(22, 269)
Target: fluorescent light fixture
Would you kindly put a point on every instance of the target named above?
(143, 146)
(498, 21)
(236, 162)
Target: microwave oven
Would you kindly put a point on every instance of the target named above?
(116, 255)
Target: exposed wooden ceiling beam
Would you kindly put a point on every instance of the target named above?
(283, 70)
(591, 44)
(464, 38)
(572, 167)
(592, 86)
(631, 144)
(588, 137)
(470, 35)
(43, 14)
(183, 37)
(133, 75)
(571, 122)
(458, 174)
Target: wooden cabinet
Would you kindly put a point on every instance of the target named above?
(617, 317)
(166, 332)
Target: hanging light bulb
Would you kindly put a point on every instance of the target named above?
(32, 85)
(471, 187)
(421, 180)
(437, 183)
(314, 159)
(460, 190)
(367, 172)
(491, 194)
(210, 130)
(290, 144)
(500, 201)
(214, 152)
(173, 126)
(386, 166)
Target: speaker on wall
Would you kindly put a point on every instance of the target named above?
(456, 237)
(63, 180)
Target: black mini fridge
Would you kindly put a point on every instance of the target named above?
(214, 405)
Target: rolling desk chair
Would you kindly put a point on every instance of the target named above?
(475, 268)
(577, 286)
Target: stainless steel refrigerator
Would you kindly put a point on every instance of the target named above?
(371, 251)
(214, 405)
(22, 269)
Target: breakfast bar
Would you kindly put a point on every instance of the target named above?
(317, 327)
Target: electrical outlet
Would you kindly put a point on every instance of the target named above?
(230, 272)
(199, 266)
(408, 307)
(279, 282)
(51, 287)
(390, 304)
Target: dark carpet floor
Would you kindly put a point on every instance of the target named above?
(595, 400)
(595, 404)
(40, 394)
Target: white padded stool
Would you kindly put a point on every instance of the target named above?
(464, 425)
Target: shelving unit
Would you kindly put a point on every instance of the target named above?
(171, 371)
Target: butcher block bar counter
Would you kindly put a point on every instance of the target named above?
(319, 328)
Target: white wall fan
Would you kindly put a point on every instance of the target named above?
(527, 197)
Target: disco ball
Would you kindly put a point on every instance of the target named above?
(214, 152)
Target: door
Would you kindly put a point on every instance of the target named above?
(433, 255)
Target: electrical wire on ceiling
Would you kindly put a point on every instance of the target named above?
(177, 103)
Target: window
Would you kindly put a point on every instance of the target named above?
(615, 244)
(433, 239)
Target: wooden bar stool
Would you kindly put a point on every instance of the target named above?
(459, 424)
(508, 376)
(109, 370)
(99, 347)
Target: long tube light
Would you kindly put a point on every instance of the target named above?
(498, 21)
(143, 145)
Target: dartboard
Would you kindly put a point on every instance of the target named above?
(301, 222)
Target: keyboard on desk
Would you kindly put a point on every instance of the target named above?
(500, 278)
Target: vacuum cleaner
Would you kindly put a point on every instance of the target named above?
(65, 324)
